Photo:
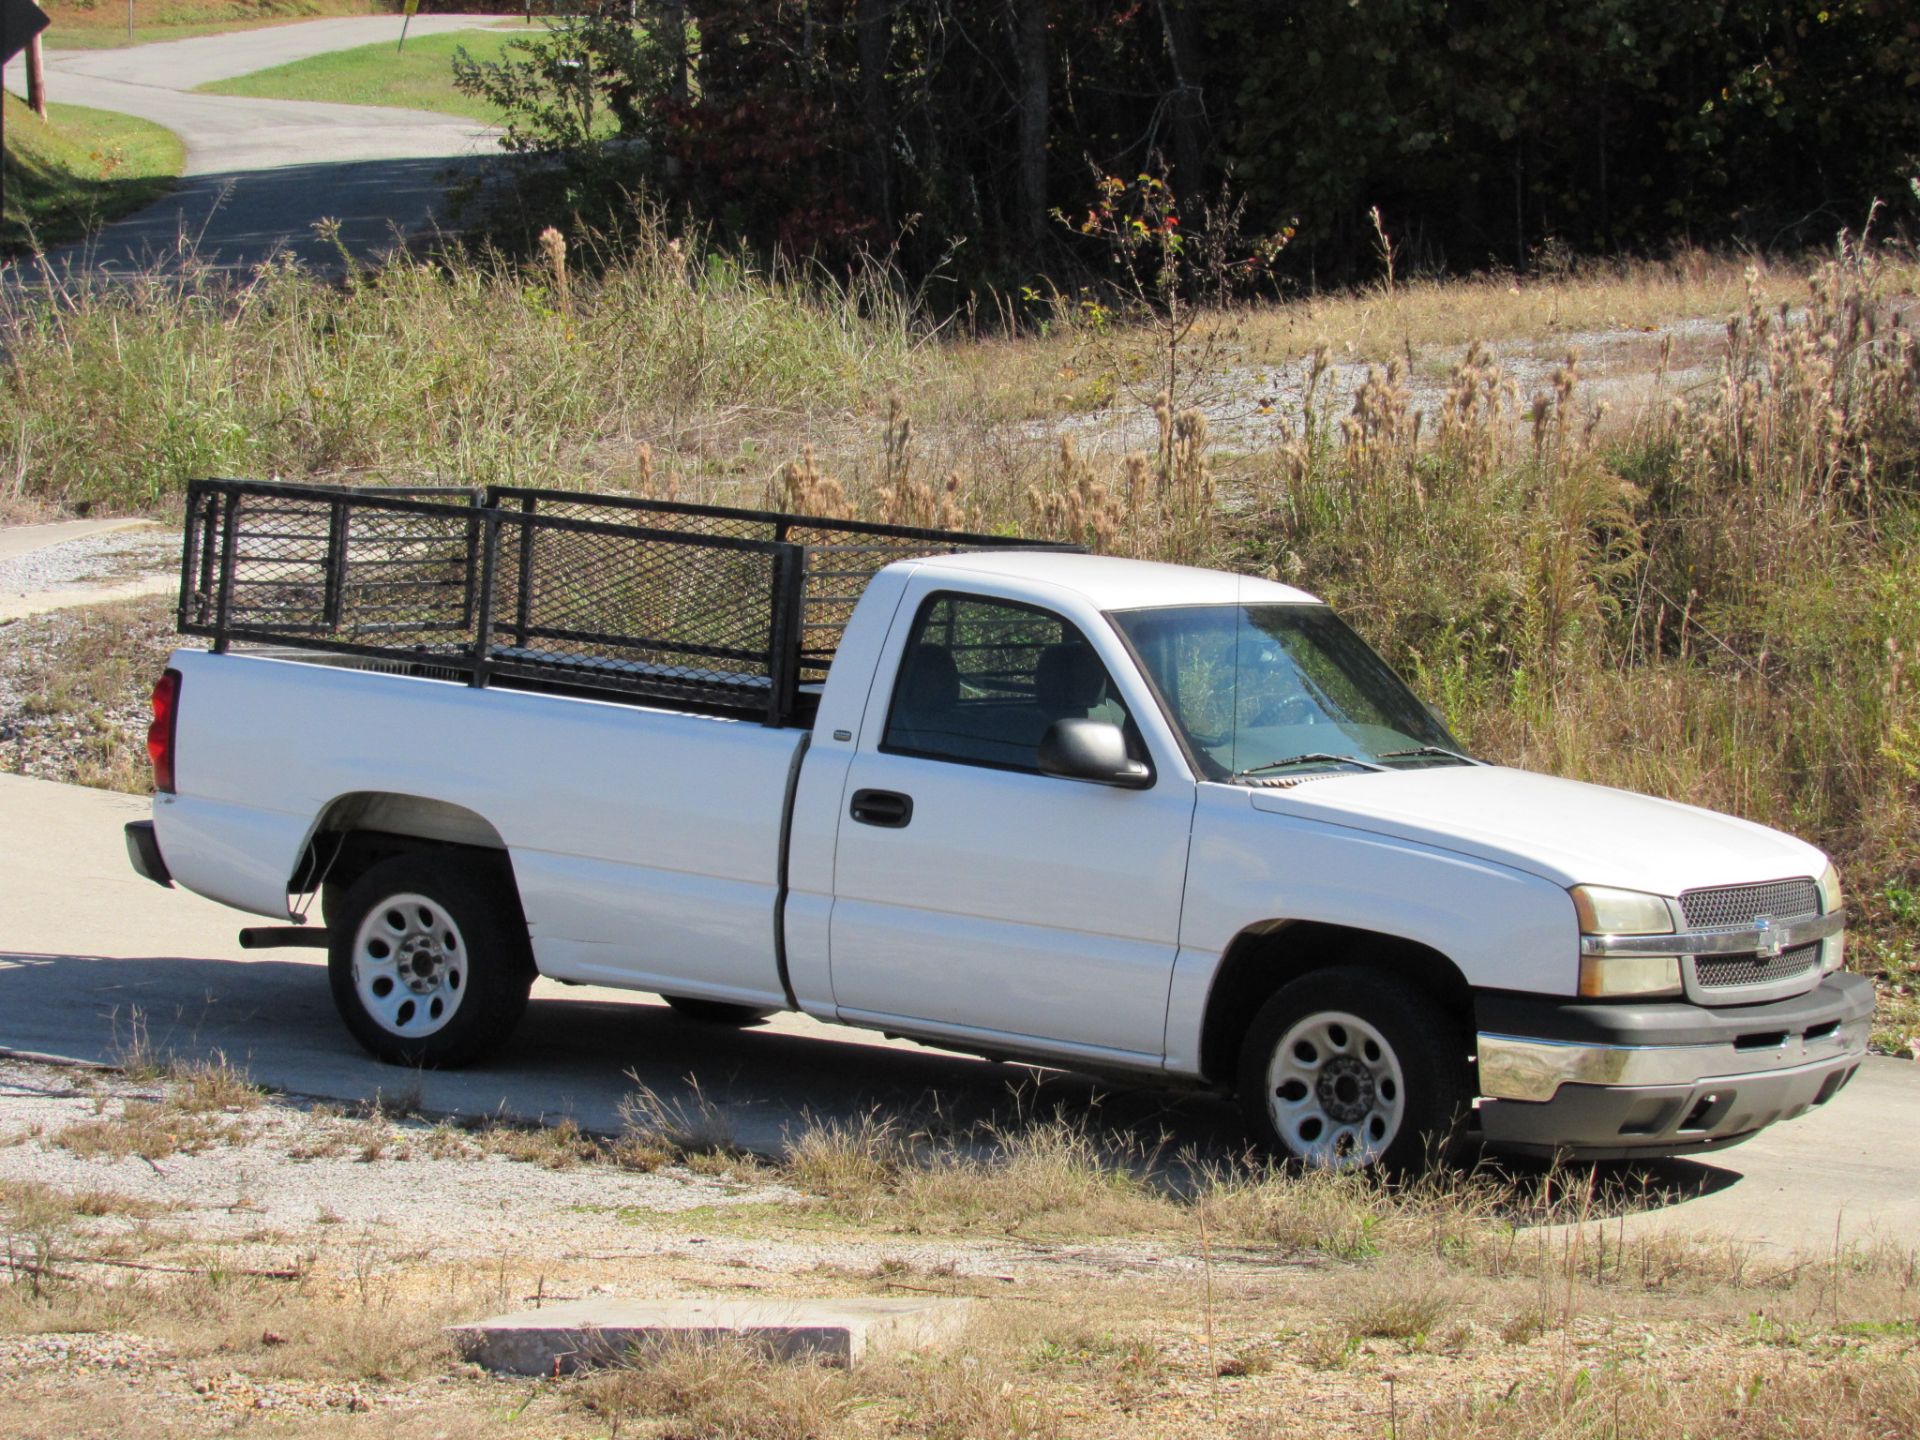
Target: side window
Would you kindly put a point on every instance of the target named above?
(982, 680)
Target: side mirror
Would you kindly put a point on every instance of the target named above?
(1091, 750)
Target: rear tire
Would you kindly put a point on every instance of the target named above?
(429, 961)
(715, 1012)
(1346, 1069)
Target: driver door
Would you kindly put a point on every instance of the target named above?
(977, 897)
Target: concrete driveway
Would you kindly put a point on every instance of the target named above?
(261, 173)
(88, 951)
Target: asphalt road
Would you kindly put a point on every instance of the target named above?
(260, 174)
(86, 945)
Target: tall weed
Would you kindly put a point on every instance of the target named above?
(458, 373)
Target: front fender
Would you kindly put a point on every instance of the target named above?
(1503, 928)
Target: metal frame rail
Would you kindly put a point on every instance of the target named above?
(695, 606)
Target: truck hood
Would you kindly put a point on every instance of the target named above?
(1562, 830)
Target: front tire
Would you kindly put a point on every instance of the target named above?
(1345, 1069)
(428, 960)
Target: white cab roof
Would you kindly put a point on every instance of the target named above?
(1110, 583)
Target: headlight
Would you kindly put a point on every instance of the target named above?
(1833, 953)
(1605, 911)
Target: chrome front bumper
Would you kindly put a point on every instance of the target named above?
(1515, 1068)
(1583, 1083)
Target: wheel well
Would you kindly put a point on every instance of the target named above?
(356, 832)
(1265, 956)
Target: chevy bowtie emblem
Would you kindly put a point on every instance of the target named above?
(1769, 947)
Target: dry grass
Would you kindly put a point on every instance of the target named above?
(463, 374)
(1146, 1332)
(1593, 297)
(727, 1391)
(564, 1145)
(1066, 1178)
(150, 1131)
(1410, 1316)
(1847, 1397)
(1118, 1291)
(210, 1085)
(690, 1126)
(201, 1105)
(1048, 1177)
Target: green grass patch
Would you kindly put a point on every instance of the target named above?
(78, 168)
(419, 77)
(748, 1217)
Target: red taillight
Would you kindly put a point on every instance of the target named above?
(166, 710)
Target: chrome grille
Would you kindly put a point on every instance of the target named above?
(1733, 907)
(1714, 971)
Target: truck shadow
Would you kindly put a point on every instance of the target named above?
(578, 1054)
(583, 1053)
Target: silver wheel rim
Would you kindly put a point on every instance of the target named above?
(1335, 1091)
(410, 966)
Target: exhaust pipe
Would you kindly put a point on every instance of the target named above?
(284, 937)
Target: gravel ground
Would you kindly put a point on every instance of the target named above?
(304, 1169)
(118, 555)
(109, 1352)
(74, 688)
(74, 682)
(307, 1181)
(1250, 407)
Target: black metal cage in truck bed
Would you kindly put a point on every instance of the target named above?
(695, 606)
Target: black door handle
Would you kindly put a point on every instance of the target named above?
(887, 808)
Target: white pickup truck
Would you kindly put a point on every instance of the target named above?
(1005, 798)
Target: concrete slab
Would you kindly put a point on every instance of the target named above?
(560, 1339)
(23, 539)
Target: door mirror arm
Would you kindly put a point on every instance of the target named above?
(1091, 750)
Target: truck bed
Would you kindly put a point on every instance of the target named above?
(639, 835)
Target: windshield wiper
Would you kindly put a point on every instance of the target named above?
(1430, 750)
(1303, 759)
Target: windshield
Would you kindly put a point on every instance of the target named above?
(1279, 689)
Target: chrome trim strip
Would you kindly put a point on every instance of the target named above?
(1513, 1067)
(1773, 938)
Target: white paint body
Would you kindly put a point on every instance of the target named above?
(1017, 913)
